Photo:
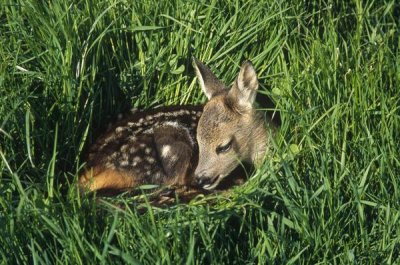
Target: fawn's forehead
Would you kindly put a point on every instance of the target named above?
(215, 116)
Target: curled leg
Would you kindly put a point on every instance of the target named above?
(175, 151)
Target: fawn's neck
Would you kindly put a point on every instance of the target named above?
(260, 138)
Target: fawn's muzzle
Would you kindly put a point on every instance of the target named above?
(207, 182)
(202, 180)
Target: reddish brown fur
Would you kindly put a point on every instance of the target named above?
(106, 179)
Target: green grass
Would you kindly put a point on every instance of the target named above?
(329, 193)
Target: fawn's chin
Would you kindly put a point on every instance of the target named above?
(214, 182)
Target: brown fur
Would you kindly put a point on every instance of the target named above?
(131, 152)
(175, 146)
(230, 120)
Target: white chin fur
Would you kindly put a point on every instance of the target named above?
(214, 184)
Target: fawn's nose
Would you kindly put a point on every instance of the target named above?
(201, 178)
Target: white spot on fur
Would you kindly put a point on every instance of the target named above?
(174, 113)
(110, 165)
(109, 139)
(159, 175)
(103, 146)
(119, 129)
(147, 150)
(137, 159)
(148, 131)
(150, 159)
(124, 147)
(132, 150)
(172, 124)
(124, 163)
(173, 158)
(165, 150)
(139, 130)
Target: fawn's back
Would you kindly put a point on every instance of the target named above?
(147, 147)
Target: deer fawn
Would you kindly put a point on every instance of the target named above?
(183, 145)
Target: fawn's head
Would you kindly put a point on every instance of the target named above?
(230, 130)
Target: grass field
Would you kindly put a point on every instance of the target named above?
(329, 193)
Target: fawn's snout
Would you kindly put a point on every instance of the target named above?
(206, 181)
(201, 178)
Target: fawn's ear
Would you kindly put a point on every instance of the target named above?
(243, 91)
(209, 83)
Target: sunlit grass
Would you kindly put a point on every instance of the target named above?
(329, 192)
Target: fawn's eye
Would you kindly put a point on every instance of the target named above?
(224, 148)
